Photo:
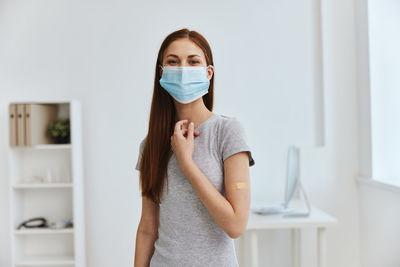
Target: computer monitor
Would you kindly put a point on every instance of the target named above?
(291, 184)
(292, 173)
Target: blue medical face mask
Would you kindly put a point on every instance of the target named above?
(185, 84)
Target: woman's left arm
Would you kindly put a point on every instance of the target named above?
(232, 212)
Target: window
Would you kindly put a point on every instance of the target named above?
(384, 86)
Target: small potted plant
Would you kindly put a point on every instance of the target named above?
(59, 130)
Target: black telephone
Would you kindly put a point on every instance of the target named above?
(37, 222)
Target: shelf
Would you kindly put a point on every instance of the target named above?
(46, 261)
(44, 146)
(42, 185)
(46, 180)
(43, 231)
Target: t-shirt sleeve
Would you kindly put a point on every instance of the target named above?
(234, 140)
(140, 154)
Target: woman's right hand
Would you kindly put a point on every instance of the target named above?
(185, 131)
(182, 141)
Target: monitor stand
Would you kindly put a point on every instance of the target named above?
(293, 213)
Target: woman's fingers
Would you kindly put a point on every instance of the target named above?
(195, 132)
(182, 139)
(191, 130)
(178, 126)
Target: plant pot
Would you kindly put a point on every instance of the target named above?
(62, 140)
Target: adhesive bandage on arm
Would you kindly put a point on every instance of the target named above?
(239, 186)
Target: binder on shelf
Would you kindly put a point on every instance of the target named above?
(37, 119)
(20, 124)
(12, 113)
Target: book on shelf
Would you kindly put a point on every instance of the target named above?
(20, 125)
(29, 122)
(12, 111)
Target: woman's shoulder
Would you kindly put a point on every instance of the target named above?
(232, 138)
(229, 122)
(142, 143)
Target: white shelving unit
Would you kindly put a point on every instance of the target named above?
(57, 200)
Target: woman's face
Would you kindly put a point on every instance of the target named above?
(183, 52)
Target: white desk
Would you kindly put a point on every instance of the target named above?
(317, 219)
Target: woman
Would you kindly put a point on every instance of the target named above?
(193, 163)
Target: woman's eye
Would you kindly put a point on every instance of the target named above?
(171, 61)
(195, 62)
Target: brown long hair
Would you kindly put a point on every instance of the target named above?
(157, 146)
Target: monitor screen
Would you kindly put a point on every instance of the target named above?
(292, 173)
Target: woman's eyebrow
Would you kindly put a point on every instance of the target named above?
(190, 56)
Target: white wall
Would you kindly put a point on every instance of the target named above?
(103, 53)
(379, 220)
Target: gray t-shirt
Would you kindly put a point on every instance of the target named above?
(187, 234)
